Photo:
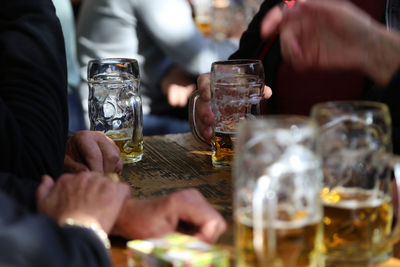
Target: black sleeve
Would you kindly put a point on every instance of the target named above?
(391, 97)
(22, 190)
(33, 82)
(251, 42)
(36, 240)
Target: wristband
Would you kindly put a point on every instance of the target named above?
(92, 226)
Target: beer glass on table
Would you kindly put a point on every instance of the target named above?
(115, 106)
(236, 95)
(203, 10)
(355, 144)
(277, 182)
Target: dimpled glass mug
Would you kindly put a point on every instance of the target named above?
(115, 106)
(236, 94)
(355, 145)
(277, 183)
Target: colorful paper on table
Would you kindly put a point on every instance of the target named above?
(175, 250)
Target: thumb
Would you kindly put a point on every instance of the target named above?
(267, 91)
(73, 166)
(44, 188)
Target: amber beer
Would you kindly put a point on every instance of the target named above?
(204, 27)
(130, 150)
(297, 244)
(357, 225)
(222, 148)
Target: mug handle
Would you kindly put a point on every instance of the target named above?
(394, 162)
(138, 119)
(265, 205)
(192, 117)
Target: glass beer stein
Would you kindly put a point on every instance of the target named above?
(355, 145)
(277, 182)
(115, 106)
(236, 94)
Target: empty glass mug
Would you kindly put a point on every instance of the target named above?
(236, 93)
(115, 106)
(355, 144)
(277, 183)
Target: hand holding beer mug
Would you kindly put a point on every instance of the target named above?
(236, 94)
(277, 183)
(355, 144)
(115, 106)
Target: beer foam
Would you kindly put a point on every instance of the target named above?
(243, 217)
(355, 198)
(357, 204)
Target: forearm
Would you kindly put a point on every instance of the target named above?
(125, 220)
(19, 189)
(36, 240)
(33, 92)
(383, 54)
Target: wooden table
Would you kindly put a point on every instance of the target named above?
(177, 161)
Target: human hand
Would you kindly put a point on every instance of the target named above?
(204, 116)
(320, 34)
(87, 197)
(92, 150)
(177, 85)
(141, 219)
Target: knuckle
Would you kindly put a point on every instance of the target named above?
(192, 192)
(124, 188)
(83, 134)
(84, 175)
(64, 179)
(107, 186)
(171, 199)
(112, 157)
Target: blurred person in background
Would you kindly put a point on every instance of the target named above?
(169, 48)
(320, 51)
(65, 14)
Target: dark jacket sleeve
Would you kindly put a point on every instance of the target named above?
(391, 97)
(36, 240)
(251, 42)
(33, 82)
(268, 50)
(22, 190)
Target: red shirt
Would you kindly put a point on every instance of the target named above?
(296, 92)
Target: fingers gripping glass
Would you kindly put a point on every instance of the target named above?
(115, 106)
(236, 93)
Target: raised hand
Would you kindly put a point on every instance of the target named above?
(333, 34)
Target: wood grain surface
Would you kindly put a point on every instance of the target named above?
(174, 162)
(177, 161)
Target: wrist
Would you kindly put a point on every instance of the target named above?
(124, 218)
(93, 226)
(132, 224)
(383, 55)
